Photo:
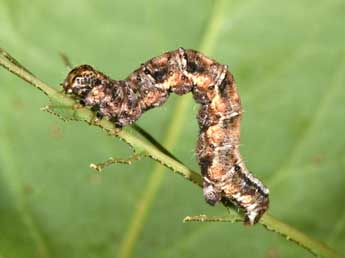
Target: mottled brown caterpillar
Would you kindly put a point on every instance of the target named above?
(181, 71)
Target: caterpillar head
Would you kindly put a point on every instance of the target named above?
(80, 81)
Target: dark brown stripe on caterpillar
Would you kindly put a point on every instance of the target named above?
(181, 71)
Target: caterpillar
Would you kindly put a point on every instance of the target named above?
(225, 176)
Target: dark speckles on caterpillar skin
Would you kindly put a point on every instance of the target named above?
(213, 87)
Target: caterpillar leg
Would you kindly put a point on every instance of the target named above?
(97, 116)
(211, 194)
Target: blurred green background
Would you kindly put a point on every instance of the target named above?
(288, 58)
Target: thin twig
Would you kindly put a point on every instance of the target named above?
(100, 166)
(204, 218)
(145, 144)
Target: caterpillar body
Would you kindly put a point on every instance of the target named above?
(225, 176)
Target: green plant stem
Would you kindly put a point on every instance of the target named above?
(272, 224)
(141, 143)
(290, 233)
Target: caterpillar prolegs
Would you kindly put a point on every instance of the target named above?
(181, 71)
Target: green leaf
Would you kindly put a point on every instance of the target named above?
(288, 59)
